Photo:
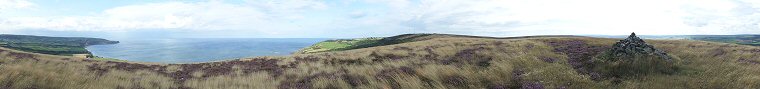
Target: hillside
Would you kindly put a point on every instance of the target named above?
(51, 45)
(65, 41)
(753, 40)
(348, 44)
(743, 39)
(553, 62)
(338, 45)
(358, 43)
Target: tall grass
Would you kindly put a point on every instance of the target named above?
(437, 63)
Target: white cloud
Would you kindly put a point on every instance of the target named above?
(396, 4)
(177, 15)
(287, 5)
(15, 4)
(541, 17)
(211, 15)
(728, 17)
(475, 17)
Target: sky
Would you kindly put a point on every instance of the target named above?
(374, 18)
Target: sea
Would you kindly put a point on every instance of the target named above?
(194, 50)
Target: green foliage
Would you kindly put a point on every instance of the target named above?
(48, 49)
(50, 45)
(64, 41)
(349, 44)
(338, 45)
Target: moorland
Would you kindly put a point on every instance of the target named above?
(420, 61)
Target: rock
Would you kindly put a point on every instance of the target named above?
(634, 46)
(633, 57)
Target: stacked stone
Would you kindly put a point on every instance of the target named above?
(635, 46)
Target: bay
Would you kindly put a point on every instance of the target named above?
(193, 50)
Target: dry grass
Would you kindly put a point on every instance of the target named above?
(453, 62)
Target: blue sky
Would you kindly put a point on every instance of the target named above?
(369, 18)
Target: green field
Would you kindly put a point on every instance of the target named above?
(753, 40)
(349, 44)
(47, 48)
(65, 41)
(51, 45)
(339, 45)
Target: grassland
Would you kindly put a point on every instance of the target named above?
(65, 46)
(47, 49)
(106, 59)
(438, 62)
(753, 40)
(65, 41)
(338, 45)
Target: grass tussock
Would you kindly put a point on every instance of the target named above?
(540, 62)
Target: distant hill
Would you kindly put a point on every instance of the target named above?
(348, 44)
(425, 62)
(64, 41)
(753, 40)
(51, 45)
(743, 39)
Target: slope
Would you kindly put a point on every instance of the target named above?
(444, 62)
(50, 45)
(358, 43)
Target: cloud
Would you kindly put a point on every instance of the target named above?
(396, 4)
(361, 18)
(544, 17)
(15, 4)
(210, 15)
(287, 6)
(728, 17)
(357, 14)
(178, 15)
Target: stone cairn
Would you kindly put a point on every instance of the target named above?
(634, 46)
